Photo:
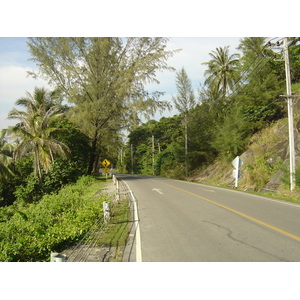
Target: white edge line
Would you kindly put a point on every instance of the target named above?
(138, 248)
(244, 193)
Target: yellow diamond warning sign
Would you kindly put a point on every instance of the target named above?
(105, 163)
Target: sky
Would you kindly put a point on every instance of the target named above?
(196, 30)
(15, 82)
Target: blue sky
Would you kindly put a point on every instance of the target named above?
(14, 82)
(14, 64)
(220, 23)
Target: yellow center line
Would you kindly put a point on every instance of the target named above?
(293, 236)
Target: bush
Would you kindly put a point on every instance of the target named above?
(62, 172)
(31, 233)
(29, 192)
(286, 176)
(259, 173)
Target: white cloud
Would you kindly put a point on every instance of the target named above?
(195, 51)
(13, 84)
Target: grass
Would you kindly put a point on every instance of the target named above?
(286, 195)
(117, 230)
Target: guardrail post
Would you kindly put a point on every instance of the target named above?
(118, 192)
(106, 211)
(57, 257)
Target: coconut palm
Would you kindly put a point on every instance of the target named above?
(253, 52)
(253, 46)
(36, 127)
(6, 156)
(222, 69)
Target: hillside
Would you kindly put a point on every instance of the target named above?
(266, 161)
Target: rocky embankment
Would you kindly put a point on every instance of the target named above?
(265, 163)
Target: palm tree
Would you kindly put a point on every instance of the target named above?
(6, 156)
(253, 46)
(222, 69)
(36, 128)
(254, 50)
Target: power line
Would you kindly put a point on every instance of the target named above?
(240, 88)
(258, 63)
(237, 89)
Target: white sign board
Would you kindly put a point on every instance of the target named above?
(237, 162)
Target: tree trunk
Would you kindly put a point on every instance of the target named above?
(96, 164)
(93, 155)
(186, 147)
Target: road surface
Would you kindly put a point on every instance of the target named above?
(179, 221)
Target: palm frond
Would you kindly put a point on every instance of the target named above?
(37, 123)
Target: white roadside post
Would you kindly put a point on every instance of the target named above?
(57, 257)
(237, 163)
(118, 191)
(106, 211)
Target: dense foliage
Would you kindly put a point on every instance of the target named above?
(241, 96)
(32, 232)
(53, 144)
(104, 78)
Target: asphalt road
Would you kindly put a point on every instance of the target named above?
(187, 222)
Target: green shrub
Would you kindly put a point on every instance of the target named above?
(31, 233)
(286, 176)
(62, 172)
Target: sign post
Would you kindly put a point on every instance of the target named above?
(105, 164)
(237, 163)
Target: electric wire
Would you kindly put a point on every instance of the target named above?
(83, 249)
(254, 61)
(240, 88)
(89, 241)
(77, 253)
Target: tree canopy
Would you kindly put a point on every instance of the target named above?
(240, 97)
(104, 78)
(36, 127)
(99, 89)
(184, 102)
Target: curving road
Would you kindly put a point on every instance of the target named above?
(187, 222)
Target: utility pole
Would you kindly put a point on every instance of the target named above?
(290, 115)
(289, 97)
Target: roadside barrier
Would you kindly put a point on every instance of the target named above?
(82, 250)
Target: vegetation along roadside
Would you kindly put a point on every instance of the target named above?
(31, 232)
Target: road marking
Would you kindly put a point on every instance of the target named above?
(291, 235)
(252, 195)
(206, 190)
(136, 220)
(157, 190)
